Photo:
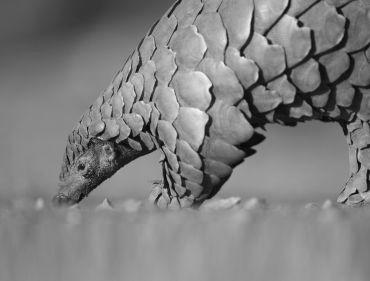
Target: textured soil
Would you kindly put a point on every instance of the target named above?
(224, 240)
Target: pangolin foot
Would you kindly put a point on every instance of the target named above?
(355, 192)
(161, 197)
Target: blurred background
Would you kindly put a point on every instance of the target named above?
(56, 56)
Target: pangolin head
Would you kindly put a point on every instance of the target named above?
(84, 168)
(97, 147)
(88, 161)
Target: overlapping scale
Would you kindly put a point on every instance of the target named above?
(111, 129)
(358, 19)
(338, 3)
(211, 6)
(187, 11)
(336, 64)
(128, 95)
(108, 93)
(320, 99)
(297, 7)
(137, 80)
(267, 12)
(143, 109)
(189, 47)
(167, 134)
(187, 155)
(106, 110)
(192, 89)
(364, 111)
(283, 88)
(190, 126)
(190, 173)
(166, 102)
(270, 58)
(245, 69)
(126, 70)
(216, 168)
(164, 30)
(135, 122)
(327, 24)
(124, 131)
(171, 158)
(367, 54)
(295, 40)
(237, 17)
(117, 80)
(135, 145)
(344, 94)
(219, 150)
(147, 49)
(195, 189)
(360, 75)
(307, 76)
(229, 124)
(212, 29)
(154, 119)
(265, 100)
(82, 130)
(86, 120)
(147, 140)
(148, 70)
(225, 84)
(96, 128)
(300, 110)
(176, 180)
(135, 61)
(180, 190)
(117, 105)
(164, 60)
(244, 108)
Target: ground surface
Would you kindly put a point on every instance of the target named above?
(249, 241)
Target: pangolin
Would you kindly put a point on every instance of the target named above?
(208, 76)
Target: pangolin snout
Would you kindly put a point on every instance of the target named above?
(62, 200)
(67, 195)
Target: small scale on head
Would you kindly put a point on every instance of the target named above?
(98, 162)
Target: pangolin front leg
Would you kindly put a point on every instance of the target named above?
(356, 190)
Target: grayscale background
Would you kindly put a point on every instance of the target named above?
(56, 56)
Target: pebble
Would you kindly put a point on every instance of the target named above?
(130, 206)
(105, 205)
(311, 206)
(328, 204)
(254, 204)
(220, 204)
(39, 204)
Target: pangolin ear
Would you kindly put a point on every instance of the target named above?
(94, 141)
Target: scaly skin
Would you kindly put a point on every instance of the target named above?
(209, 73)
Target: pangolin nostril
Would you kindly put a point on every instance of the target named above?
(81, 196)
(61, 200)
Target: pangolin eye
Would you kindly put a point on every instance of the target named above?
(81, 167)
(108, 150)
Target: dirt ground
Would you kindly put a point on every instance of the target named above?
(250, 241)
